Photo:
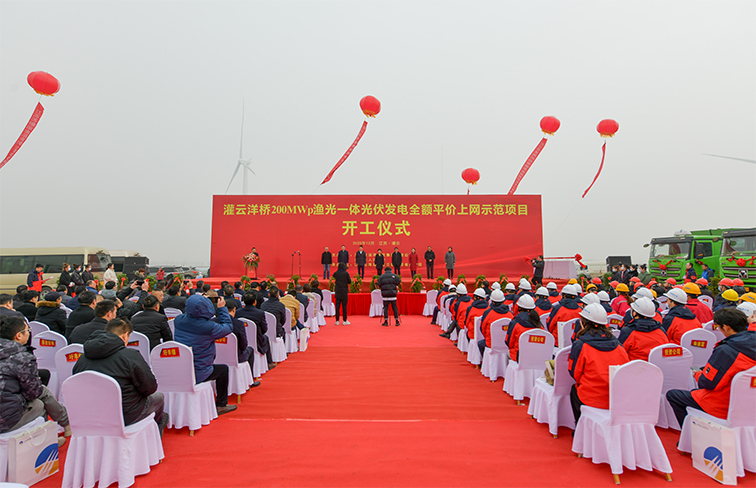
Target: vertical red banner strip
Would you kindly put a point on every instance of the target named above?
(603, 154)
(525, 167)
(346, 154)
(25, 134)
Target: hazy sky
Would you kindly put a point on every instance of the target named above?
(146, 126)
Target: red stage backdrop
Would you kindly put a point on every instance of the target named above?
(490, 234)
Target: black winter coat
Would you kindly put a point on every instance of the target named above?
(380, 261)
(83, 332)
(81, 315)
(430, 256)
(154, 325)
(50, 314)
(389, 283)
(28, 309)
(360, 258)
(342, 280)
(396, 259)
(106, 353)
(326, 258)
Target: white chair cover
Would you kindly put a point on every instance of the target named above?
(741, 418)
(706, 300)
(675, 362)
(102, 449)
(141, 343)
(536, 347)
(495, 358)
(37, 327)
(277, 346)
(442, 319)
(550, 404)
(172, 327)
(700, 343)
(329, 310)
(462, 340)
(473, 351)
(46, 344)
(615, 320)
(318, 312)
(291, 340)
(188, 404)
(171, 313)
(376, 303)
(545, 319)
(4, 438)
(66, 309)
(663, 305)
(239, 374)
(312, 319)
(430, 303)
(624, 435)
(65, 359)
(565, 331)
(261, 360)
(717, 333)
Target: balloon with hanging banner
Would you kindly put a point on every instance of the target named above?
(607, 128)
(549, 126)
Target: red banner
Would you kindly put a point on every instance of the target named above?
(525, 167)
(346, 154)
(25, 133)
(489, 234)
(603, 153)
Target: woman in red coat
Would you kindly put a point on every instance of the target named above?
(413, 257)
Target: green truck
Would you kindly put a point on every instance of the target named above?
(730, 253)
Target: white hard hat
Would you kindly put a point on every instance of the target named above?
(525, 285)
(523, 280)
(645, 307)
(551, 286)
(569, 290)
(643, 292)
(480, 292)
(461, 289)
(578, 288)
(747, 308)
(510, 286)
(542, 291)
(603, 296)
(526, 302)
(676, 295)
(447, 282)
(590, 298)
(452, 288)
(496, 286)
(594, 313)
(497, 296)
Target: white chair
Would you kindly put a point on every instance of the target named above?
(171, 313)
(624, 435)
(66, 309)
(614, 320)
(238, 296)
(495, 358)
(291, 339)
(172, 327)
(675, 363)
(318, 312)
(141, 343)
(239, 374)
(442, 319)
(65, 359)
(376, 303)
(462, 339)
(301, 315)
(550, 404)
(7, 436)
(277, 346)
(663, 305)
(700, 343)
(565, 331)
(718, 335)
(329, 310)
(102, 449)
(261, 360)
(536, 346)
(45, 345)
(188, 404)
(706, 300)
(741, 418)
(544, 319)
(37, 327)
(473, 351)
(430, 303)
(312, 319)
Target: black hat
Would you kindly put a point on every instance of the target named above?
(52, 296)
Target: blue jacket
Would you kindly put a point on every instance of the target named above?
(196, 329)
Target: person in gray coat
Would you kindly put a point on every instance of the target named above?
(450, 259)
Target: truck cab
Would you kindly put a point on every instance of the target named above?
(669, 255)
(738, 256)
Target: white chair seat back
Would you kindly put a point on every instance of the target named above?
(37, 327)
(499, 335)
(270, 320)
(742, 400)
(675, 363)
(251, 329)
(478, 334)
(141, 343)
(328, 308)
(171, 313)
(700, 343)
(562, 380)
(634, 393)
(376, 298)
(103, 417)
(312, 320)
(718, 335)
(66, 358)
(227, 350)
(706, 300)
(544, 319)
(614, 320)
(45, 345)
(430, 302)
(173, 366)
(301, 316)
(565, 331)
(172, 327)
(536, 346)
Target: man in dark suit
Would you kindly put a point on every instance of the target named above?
(251, 312)
(361, 259)
(396, 261)
(104, 312)
(343, 256)
(173, 300)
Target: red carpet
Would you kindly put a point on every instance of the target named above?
(367, 405)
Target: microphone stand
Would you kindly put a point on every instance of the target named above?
(300, 263)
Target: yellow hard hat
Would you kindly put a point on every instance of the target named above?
(623, 287)
(654, 293)
(572, 281)
(730, 295)
(591, 287)
(691, 289)
(749, 297)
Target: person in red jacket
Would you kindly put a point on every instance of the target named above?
(554, 295)
(525, 320)
(643, 333)
(594, 350)
(567, 309)
(699, 309)
(543, 304)
(735, 353)
(461, 301)
(476, 309)
(679, 319)
(413, 258)
(622, 302)
(441, 294)
(497, 310)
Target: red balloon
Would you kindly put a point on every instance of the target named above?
(471, 176)
(43, 83)
(607, 127)
(370, 106)
(550, 124)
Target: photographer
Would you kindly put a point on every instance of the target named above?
(537, 264)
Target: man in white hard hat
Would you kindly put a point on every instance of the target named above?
(441, 294)
(567, 309)
(644, 332)
(497, 310)
(462, 299)
(510, 293)
(679, 319)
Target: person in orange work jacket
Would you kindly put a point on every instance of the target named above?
(441, 294)
(735, 353)
(543, 304)
(554, 295)
(702, 311)
(643, 333)
(622, 302)
(476, 309)
(567, 309)
(679, 319)
(526, 319)
(460, 302)
(594, 350)
(497, 310)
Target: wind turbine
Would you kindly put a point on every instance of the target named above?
(241, 162)
(728, 157)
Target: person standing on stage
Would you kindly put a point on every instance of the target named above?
(396, 261)
(430, 258)
(343, 256)
(413, 258)
(361, 259)
(326, 259)
(450, 260)
(380, 260)
(256, 260)
(538, 265)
